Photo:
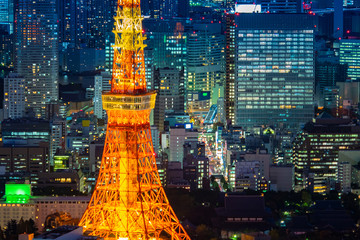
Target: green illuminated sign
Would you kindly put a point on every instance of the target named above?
(205, 94)
(17, 193)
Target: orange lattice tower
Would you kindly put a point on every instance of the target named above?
(128, 201)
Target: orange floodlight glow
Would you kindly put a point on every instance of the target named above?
(129, 202)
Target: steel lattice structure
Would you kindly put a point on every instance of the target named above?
(128, 201)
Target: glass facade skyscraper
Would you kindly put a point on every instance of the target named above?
(6, 11)
(7, 14)
(205, 59)
(350, 55)
(230, 67)
(274, 71)
(37, 52)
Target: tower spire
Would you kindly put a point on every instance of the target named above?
(128, 66)
(129, 201)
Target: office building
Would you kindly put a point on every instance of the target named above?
(31, 160)
(85, 59)
(345, 176)
(57, 137)
(165, 80)
(230, 67)
(102, 83)
(196, 165)
(178, 137)
(350, 55)
(6, 43)
(96, 150)
(168, 41)
(206, 58)
(85, 23)
(61, 179)
(274, 76)
(37, 52)
(14, 96)
(7, 14)
(350, 91)
(169, 98)
(246, 176)
(282, 6)
(155, 137)
(327, 75)
(316, 152)
(27, 132)
(338, 27)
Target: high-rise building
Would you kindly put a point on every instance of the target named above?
(164, 81)
(169, 98)
(316, 152)
(350, 55)
(85, 23)
(102, 83)
(327, 74)
(205, 59)
(14, 96)
(230, 67)
(37, 52)
(6, 43)
(7, 14)
(274, 75)
(167, 39)
(166, 47)
(282, 6)
(338, 26)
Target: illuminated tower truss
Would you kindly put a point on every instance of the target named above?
(128, 201)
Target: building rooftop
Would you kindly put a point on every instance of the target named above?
(331, 125)
(58, 232)
(243, 206)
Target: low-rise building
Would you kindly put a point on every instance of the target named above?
(18, 203)
(282, 178)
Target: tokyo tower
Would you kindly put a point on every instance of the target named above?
(128, 201)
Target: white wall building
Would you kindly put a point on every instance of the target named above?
(102, 83)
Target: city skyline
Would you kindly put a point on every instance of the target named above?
(179, 119)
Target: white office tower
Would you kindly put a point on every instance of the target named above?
(14, 96)
(102, 83)
(36, 45)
